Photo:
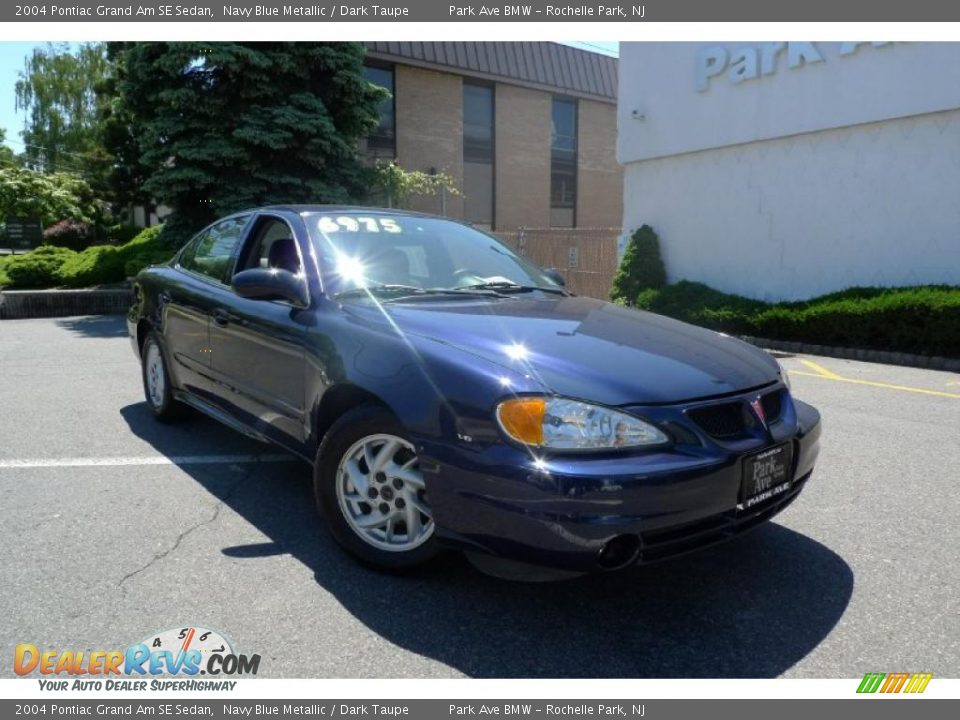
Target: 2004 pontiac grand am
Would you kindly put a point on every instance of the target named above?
(449, 392)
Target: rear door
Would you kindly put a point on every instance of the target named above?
(187, 303)
(259, 345)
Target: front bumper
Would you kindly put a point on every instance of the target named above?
(562, 511)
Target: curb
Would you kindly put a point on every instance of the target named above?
(885, 357)
(22, 304)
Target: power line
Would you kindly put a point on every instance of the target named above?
(606, 51)
(67, 162)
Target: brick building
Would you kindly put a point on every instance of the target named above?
(527, 130)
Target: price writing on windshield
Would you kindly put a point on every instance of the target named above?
(349, 223)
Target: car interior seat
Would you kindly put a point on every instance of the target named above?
(283, 255)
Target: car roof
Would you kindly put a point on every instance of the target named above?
(302, 209)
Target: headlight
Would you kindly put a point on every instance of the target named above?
(571, 425)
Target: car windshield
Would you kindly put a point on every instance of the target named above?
(394, 256)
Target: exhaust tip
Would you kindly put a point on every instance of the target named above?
(618, 552)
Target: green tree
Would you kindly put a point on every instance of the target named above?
(128, 172)
(57, 90)
(222, 126)
(48, 196)
(393, 186)
(7, 156)
(641, 267)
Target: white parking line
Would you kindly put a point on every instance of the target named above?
(143, 460)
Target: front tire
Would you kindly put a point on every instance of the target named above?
(369, 489)
(157, 388)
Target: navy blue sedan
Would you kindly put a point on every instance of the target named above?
(448, 392)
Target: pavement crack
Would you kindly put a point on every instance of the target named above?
(218, 506)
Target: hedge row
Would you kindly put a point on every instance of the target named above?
(51, 266)
(923, 320)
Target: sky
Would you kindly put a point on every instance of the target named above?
(12, 55)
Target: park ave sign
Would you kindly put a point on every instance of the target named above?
(751, 62)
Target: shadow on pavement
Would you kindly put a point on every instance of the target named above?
(97, 326)
(750, 608)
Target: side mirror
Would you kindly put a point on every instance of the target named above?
(556, 276)
(270, 284)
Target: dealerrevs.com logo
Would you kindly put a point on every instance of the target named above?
(155, 663)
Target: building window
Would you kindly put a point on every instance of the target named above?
(478, 154)
(563, 163)
(382, 142)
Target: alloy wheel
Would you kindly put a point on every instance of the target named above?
(382, 493)
(156, 383)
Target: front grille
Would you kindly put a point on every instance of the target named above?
(734, 419)
(772, 406)
(726, 420)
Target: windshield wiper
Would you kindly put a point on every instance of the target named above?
(385, 289)
(409, 291)
(502, 286)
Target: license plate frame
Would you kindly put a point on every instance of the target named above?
(765, 475)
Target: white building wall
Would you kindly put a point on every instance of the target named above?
(791, 215)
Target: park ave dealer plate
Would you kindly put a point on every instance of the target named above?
(765, 475)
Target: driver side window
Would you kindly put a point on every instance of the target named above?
(271, 245)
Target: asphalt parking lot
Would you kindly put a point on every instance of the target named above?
(114, 527)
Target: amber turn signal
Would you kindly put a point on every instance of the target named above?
(522, 419)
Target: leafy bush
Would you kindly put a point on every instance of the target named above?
(641, 268)
(150, 247)
(37, 269)
(121, 234)
(50, 265)
(144, 259)
(924, 320)
(148, 237)
(71, 234)
(102, 264)
(48, 196)
(699, 304)
(97, 265)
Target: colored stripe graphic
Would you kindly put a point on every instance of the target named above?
(894, 682)
(870, 683)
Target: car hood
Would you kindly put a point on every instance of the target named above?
(588, 349)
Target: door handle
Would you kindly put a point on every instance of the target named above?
(221, 318)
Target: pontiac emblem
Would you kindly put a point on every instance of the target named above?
(758, 411)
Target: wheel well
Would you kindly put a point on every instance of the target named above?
(143, 327)
(338, 400)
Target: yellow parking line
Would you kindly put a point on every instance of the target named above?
(888, 386)
(820, 369)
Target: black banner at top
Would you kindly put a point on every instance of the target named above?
(490, 11)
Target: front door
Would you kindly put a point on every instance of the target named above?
(258, 345)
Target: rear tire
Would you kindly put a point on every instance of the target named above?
(157, 388)
(370, 491)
